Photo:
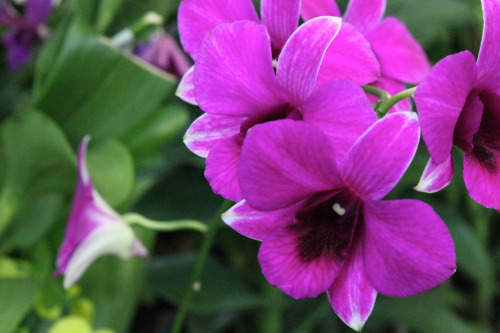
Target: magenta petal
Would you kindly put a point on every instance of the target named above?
(483, 181)
(185, 89)
(468, 123)
(37, 11)
(440, 99)
(283, 162)
(314, 8)
(407, 249)
(436, 176)
(258, 224)
(378, 160)
(401, 57)
(281, 17)
(365, 15)
(488, 61)
(352, 295)
(197, 17)
(209, 129)
(342, 110)
(298, 66)
(284, 268)
(392, 87)
(234, 78)
(222, 165)
(351, 57)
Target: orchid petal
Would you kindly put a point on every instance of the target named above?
(342, 110)
(436, 176)
(298, 66)
(392, 87)
(234, 78)
(440, 99)
(352, 295)
(407, 249)
(314, 8)
(222, 165)
(350, 57)
(258, 224)
(483, 180)
(185, 89)
(116, 238)
(380, 157)
(283, 267)
(209, 129)
(365, 15)
(37, 11)
(488, 61)
(468, 123)
(281, 17)
(197, 17)
(401, 57)
(285, 161)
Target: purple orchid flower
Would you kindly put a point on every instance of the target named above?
(459, 103)
(94, 229)
(237, 87)
(25, 31)
(163, 52)
(401, 57)
(349, 57)
(322, 224)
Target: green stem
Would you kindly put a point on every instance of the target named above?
(144, 222)
(382, 94)
(198, 268)
(384, 107)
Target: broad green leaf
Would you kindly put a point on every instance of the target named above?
(85, 8)
(36, 156)
(422, 313)
(221, 289)
(94, 88)
(155, 131)
(16, 298)
(31, 222)
(107, 11)
(112, 170)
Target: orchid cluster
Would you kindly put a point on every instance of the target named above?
(289, 133)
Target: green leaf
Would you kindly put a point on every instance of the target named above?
(31, 223)
(16, 298)
(221, 289)
(112, 170)
(107, 11)
(85, 8)
(424, 313)
(153, 132)
(36, 156)
(134, 10)
(94, 88)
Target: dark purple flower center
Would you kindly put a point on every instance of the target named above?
(486, 141)
(283, 111)
(327, 228)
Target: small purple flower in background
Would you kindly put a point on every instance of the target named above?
(349, 57)
(94, 229)
(23, 32)
(236, 85)
(322, 224)
(401, 58)
(163, 52)
(459, 103)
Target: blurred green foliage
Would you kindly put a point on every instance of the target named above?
(81, 84)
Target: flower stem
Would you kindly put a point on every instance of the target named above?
(198, 267)
(144, 222)
(382, 94)
(386, 106)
